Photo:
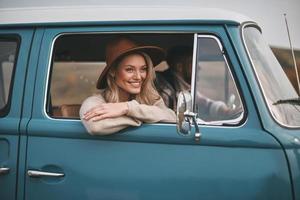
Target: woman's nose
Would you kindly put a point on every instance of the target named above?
(137, 75)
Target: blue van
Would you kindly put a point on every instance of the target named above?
(50, 59)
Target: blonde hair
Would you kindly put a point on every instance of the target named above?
(148, 94)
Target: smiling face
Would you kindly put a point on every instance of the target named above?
(131, 74)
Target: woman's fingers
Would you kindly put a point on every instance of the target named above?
(106, 110)
(89, 115)
(94, 112)
(100, 117)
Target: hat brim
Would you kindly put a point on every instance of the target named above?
(156, 54)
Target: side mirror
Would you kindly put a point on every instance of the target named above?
(185, 116)
(184, 103)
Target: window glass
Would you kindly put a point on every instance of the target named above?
(280, 95)
(76, 65)
(78, 60)
(8, 51)
(216, 95)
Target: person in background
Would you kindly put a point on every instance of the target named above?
(177, 78)
(127, 96)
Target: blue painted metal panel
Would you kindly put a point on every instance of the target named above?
(30, 79)
(294, 160)
(288, 138)
(158, 133)
(9, 124)
(152, 161)
(99, 169)
(8, 158)
(27, 110)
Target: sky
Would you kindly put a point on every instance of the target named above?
(267, 13)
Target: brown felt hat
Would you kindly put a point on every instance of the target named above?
(122, 46)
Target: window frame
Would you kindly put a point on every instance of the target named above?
(10, 38)
(242, 120)
(50, 66)
(257, 78)
(237, 122)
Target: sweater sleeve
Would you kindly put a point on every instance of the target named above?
(210, 107)
(105, 126)
(158, 112)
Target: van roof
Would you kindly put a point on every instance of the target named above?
(51, 15)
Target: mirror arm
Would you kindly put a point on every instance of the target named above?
(193, 116)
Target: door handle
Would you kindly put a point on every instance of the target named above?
(4, 170)
(38, 174)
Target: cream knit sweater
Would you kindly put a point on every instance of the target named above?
(137, 114)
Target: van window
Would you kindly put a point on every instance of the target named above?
(280, 95)
(8, 54)
(216, 96)
(78, 60)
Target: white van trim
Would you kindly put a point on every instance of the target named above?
(40, 15)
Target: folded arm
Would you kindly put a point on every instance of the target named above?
(157, 112)
(97, 125)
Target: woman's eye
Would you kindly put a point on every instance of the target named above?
(144, 69)
(129, 70)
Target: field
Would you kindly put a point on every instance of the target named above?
(284, 56)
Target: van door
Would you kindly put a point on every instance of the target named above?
(14, 50)
(235, 161)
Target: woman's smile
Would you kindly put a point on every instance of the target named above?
(135, 83)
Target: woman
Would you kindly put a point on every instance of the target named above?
(128, 96)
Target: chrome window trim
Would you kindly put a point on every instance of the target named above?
(232, 122)
(225, 124)
(254, 25)
(194, 68)
(47, 86)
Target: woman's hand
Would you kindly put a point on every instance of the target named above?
(106, 110)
